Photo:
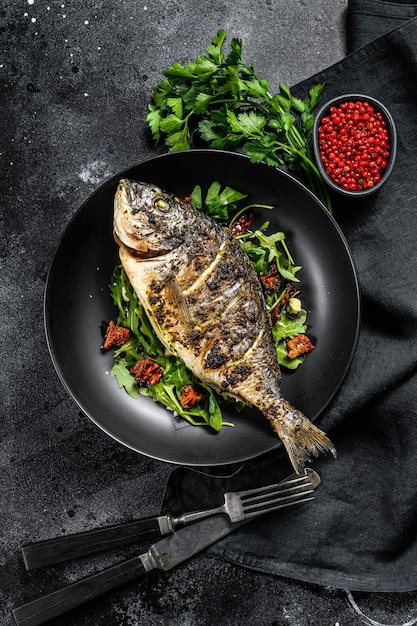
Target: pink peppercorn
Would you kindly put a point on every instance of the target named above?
(354, 145)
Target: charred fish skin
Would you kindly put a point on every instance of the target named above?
(205, 302)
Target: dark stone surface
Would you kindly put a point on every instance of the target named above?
(75, 83)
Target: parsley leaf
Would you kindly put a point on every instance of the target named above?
(232, 107)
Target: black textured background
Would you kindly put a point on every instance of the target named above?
(75, 82)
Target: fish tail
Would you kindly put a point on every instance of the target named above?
(301, 438)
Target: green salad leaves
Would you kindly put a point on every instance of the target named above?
(231, 107)
(265, 250)
(143, 343)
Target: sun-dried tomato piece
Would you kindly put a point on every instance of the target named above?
(289, 292)
(275, 315)
(115, 336)
(190, 396)
(300, 344)
(271, 281)
(147, 371)
(242, 225)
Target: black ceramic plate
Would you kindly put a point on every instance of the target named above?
(77, 301)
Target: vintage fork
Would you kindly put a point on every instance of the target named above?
(241, 505)
(169, 551)
(237, 505)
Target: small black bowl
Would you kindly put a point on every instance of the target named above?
(392, 133)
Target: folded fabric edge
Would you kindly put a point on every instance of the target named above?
(358, 56)
(312, 575)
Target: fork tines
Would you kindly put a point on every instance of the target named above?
(277, 496)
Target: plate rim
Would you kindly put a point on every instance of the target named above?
(157, 158)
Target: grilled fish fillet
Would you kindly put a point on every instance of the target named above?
(206, 304)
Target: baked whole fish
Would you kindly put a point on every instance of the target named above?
(205, 302)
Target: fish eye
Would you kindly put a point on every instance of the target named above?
(161, 204)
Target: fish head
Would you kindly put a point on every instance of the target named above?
(147, 220)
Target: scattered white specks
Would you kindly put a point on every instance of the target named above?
(94, 172)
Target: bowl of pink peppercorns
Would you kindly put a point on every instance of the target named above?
(355, 143)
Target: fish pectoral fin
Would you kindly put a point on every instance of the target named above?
(177, 299)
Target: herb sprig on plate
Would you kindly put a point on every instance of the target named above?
(224, 205)
(233, 108)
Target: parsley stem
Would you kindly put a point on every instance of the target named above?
(314, 177)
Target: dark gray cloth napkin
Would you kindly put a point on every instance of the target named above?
(360, 533)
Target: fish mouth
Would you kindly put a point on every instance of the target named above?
(133, 196)
(126, 199)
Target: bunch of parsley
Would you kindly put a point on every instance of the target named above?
(224, 206)
(233, 108)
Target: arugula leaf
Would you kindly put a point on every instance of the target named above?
(124, 379)
(218, 202)
(280, 255)
(216, 417)
(196, 197)
(283, 359)
(286, 328)
(289, 326)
